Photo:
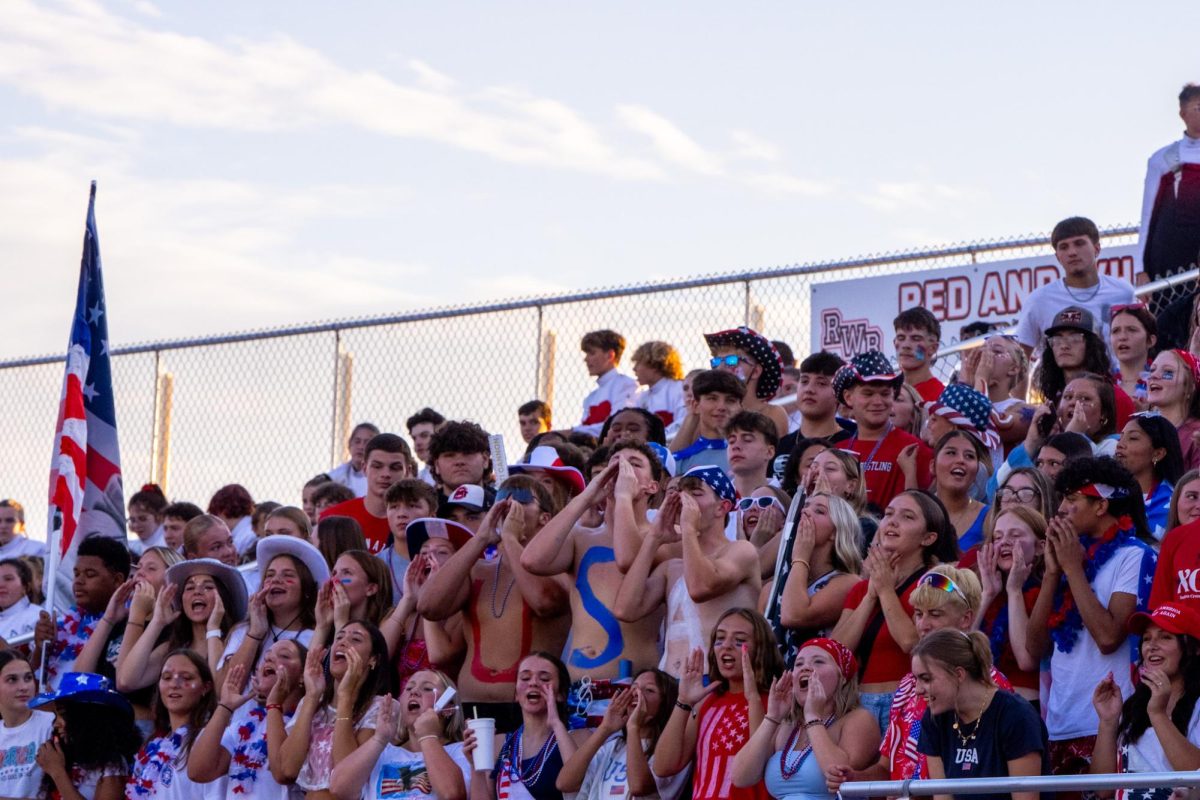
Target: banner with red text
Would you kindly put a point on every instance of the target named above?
(850, 317)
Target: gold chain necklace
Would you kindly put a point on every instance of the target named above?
(965, 739)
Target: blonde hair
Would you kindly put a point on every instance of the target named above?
(169, 557)
(197, 527)
(955, 649)
(917, 422)
(852, 469)
(847, 535)
(1035, 521)
(845, 699)
(452, 725)
(662, 357)
(927, 598)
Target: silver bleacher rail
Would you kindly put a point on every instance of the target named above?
(1030, 783)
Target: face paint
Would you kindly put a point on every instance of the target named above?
(919, 353)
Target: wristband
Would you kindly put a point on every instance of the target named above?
(812, 723)
(216, 634)
(685, 706)
(275, 707)
(135, 624)
(770, 719)
(342, 719)
(255, 638)
(428, 736)
(802, 561)
(227, 708)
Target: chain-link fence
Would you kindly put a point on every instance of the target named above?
(270, 409)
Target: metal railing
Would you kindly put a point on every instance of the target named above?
(1162, 284)
(271, 408)
(1030, 783)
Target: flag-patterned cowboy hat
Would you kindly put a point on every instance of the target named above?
(84, 687)
(760, 349)
(869, 367)
(968, 410)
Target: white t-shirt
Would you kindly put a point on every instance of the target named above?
(243, 535)
(139, 547)
(20, 776)
(19, 618)
(238, 635)
(245, 739)
(1146, 754)
(400, 774)
(1042, 304)
(1073, 675)
(23, 546)
(87, 781)
(160, 772)
(606, 776)
(352, 479)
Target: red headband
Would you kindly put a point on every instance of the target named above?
(1192, 363)
(842, 656)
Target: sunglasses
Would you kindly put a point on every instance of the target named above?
(521, 496)
(943, 584)
(1117, 309)
(716, 362)
(747, 503)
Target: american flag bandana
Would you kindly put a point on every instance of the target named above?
(965, 408)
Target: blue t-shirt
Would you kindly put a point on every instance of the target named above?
(1008, 729)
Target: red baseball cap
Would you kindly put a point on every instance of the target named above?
(1171, 617)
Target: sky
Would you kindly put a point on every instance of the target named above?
(263, 164)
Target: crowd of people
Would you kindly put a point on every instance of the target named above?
(761, 578)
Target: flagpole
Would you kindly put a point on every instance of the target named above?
(54, 543)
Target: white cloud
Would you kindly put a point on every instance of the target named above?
(430, 78)
(918, 195)
(670, 141)
(785, 184)
(88, 60)
(750, 146)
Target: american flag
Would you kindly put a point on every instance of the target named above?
(86, 497)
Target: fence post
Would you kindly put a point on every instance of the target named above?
(537, 374)
(160, 442)
(333, 412)
(746, 306)
(546, 368)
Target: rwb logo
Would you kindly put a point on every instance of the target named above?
(848, 337)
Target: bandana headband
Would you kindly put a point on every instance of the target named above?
(1102, 491)
(1190, 361)
(841, 654)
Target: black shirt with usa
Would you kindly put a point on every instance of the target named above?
(1008, 729)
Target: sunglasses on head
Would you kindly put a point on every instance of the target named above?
(943, 584)
(1117, 309)
(747, 503)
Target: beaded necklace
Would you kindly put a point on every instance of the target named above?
(496, 585)
(530, 777)
(789, 770)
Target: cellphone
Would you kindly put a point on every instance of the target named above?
(445, 699)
